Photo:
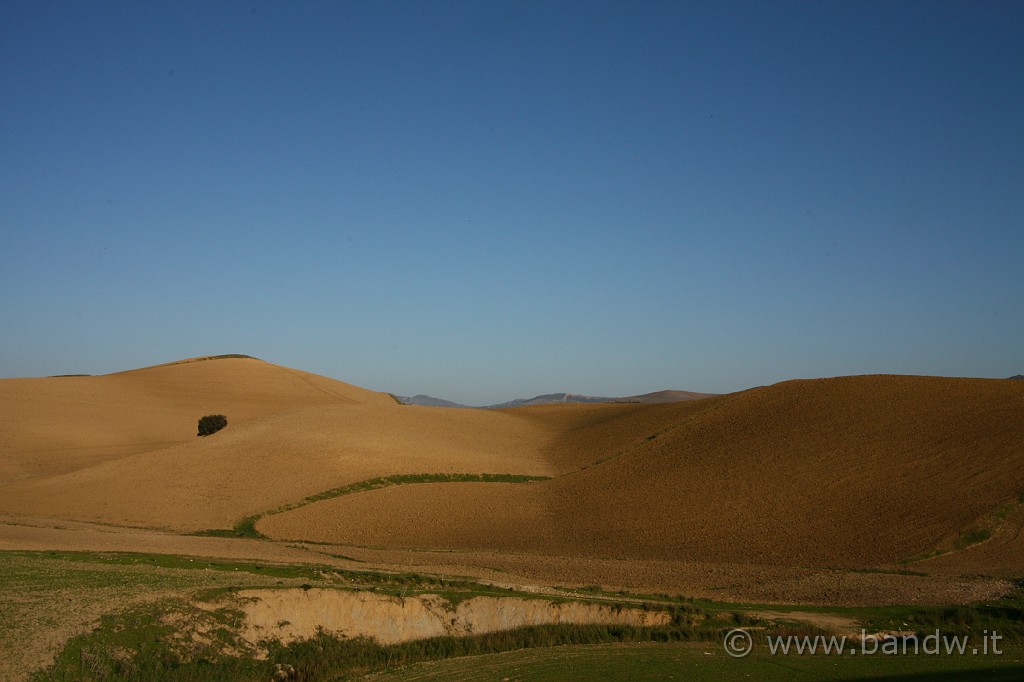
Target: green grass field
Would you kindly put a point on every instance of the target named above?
(135, 617)
(701, 661)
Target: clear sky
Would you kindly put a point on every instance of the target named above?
(490, 200)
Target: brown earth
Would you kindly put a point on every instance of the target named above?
(776, 493)
(855, 472)
(1002, 555)
(541, 574)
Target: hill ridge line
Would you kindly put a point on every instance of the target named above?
(647, 439)
(309, 382)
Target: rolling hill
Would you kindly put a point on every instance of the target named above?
(853, 472)
(122, 448)
(60, 424)
(847, 473)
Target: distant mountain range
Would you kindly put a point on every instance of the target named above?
(550, 398)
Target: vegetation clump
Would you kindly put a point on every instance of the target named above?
(212, 423)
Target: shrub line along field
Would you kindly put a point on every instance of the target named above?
(247, 526)
(872, 492)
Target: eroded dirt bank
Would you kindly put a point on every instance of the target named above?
(291, 614)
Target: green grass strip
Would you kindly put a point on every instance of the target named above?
(246, 528)
(406, 479)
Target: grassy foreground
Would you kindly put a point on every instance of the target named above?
(701, 661)
(160, 617)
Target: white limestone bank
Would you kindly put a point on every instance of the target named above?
(294, 614)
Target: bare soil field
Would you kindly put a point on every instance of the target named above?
(1003, 554)
(290, 435)
(856, 473)
(845, 491)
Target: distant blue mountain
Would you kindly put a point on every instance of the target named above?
(552, 398)
(427, 401)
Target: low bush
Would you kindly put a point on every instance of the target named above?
(212, 423)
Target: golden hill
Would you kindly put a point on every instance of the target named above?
(60, 424)
(847, 472)
(122, 448)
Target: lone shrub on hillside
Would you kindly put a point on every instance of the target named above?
(212, 423)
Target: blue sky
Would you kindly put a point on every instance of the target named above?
(488, 200)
